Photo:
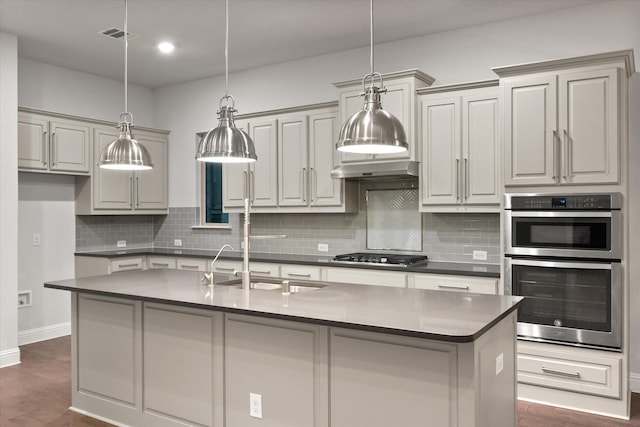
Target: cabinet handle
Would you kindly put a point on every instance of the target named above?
(160, 264)
(457, 179)
(131, 189)
(555, 155)
(565, 162)
(261, 272)
(245, 189)
(225, 269)
(188, 266)
(45, 155)
(311, 181)
(52, 146)
(565, 136)
(252, 188)
(467, 182)
(561, 373)
(304, 185)
(137, 191)
(127, 265)
(299, 274)
(460, 288)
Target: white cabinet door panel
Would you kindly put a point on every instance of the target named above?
(293, 185)
(33, 146)
(323, 157)
(151, 185)
(264, 172)
(70, 150)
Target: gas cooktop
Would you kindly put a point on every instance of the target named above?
(393, 260)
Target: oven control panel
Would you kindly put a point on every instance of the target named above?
(560, 202)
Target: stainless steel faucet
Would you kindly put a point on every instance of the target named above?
(208, 277)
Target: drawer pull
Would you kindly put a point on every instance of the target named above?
(561, 373)
(188, 266)
(460, 288)
(160, 264)
(300, 274)
(261, 272)
(127, 265)
(225, 269)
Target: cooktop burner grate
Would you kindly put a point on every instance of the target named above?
(378, 258)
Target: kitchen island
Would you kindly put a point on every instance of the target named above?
(160, 348)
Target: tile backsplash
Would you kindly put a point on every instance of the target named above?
(445, 237)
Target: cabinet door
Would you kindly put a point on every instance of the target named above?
(440, 151)
(70, 148)
(398, 101)
(151, 185)
(264, 172)
(113, 189)
(33, 145)
(235, 178)
(323, 157)
(293, 173)
(531, 149)
(589, 122)
(480, 164)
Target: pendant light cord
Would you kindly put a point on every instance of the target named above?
(126, 48)
(226, 49)
(371, 35)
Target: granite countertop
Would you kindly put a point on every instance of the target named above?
(437, 315)
(433, 267)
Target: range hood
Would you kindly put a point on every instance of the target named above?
(402, 168)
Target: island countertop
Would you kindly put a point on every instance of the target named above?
(436, 315)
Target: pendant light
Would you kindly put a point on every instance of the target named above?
(125, 153)
(372, 130)
(226, 143)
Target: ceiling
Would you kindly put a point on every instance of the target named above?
(262, 32)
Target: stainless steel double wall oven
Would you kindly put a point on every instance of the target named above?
(563, 253)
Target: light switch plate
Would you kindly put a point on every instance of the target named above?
(121, 243)
(323, 247)
(480, 255)
(177, 242)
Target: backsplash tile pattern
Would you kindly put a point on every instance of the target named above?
(446, 237)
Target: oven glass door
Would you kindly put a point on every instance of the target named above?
(579, 234)
(569, 301)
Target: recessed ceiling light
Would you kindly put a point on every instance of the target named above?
(166, 47)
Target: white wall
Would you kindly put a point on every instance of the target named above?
(51, 88)
(45, 207)
(450, 57)
(9, 352)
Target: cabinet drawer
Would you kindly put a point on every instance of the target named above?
(444, 282)
(304, 272)
(193, 264)
(227, 267)
(584, 373)
(160, 262)
(264, 269)
(361, 276)
(126, 264)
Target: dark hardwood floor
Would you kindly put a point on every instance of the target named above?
(37, 393)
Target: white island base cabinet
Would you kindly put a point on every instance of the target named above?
(147, 364)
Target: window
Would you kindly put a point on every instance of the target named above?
(211, 211)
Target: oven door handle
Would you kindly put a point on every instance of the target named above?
(562, 264)
(560, 214)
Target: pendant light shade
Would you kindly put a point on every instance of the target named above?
(372, 130)
(125, 153)
(226, 143)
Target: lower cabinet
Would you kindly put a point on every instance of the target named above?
(148, 364)
(363, 276)
(454, 283)
(304, 272)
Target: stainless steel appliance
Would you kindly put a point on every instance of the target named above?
(563, 252)
(393, 260)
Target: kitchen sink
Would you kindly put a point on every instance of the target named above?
(263, 284)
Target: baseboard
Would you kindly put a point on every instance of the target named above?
(634, 382)
(45, 333)
(9, 357)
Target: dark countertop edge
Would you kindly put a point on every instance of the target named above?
(439, 268)
(323, 322)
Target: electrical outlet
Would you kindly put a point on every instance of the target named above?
(323, 247)
(499, 363)
(121, 244)
(24, 299)
(255, 405)
(480, 255)
(177, 242)
(36, 240)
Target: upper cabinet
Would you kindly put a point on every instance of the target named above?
(296, 153)
(459, 138)
(563, 120)
(114, 192)
(53, 144)
(399, 100)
